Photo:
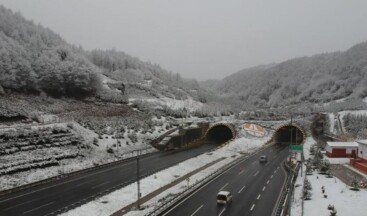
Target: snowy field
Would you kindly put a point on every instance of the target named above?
(345, 201)
(110, 203)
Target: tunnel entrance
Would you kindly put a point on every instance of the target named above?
(289, 134)
(220, 133)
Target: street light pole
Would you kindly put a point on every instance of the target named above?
(138, 179)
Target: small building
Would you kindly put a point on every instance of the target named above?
(362, 154)
(342, 149)
(360, 162)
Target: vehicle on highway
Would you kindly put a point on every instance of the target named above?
(224, 197)
(263, 159)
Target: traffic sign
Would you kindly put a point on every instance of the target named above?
(296, 147)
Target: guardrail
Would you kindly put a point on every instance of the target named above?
(169, 203)
(66, 175)
(284, 201)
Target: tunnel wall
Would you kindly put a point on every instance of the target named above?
(282, 127)
(230, 127)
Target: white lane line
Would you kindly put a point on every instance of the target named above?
(241, 172)
(252, 207)
(14, 206)
(278, 167)
(55, 185)
(26, 212)
(264, 188)
(256, 173)
(242, 189)
(258, 197)
(275, 171)
(85, 182)
(271, 176)
(100, 184)
(222, 212)
(268, 182)
(223, 187)
(196, 210)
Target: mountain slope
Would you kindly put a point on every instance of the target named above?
(323, 77)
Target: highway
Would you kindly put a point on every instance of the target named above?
(50, 197)
(255, 188)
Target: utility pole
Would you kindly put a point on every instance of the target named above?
(138, 179)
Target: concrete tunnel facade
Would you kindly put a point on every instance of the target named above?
(220, 133)
(289, 134)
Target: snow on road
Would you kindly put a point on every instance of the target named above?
(116, 200)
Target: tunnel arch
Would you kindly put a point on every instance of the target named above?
(220, 133)
(289, 133)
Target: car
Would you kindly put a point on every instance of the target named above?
(263, 159)
(224, 197)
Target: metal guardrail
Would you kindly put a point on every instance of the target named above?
(283, 203)
(66, 175)
(169, 203)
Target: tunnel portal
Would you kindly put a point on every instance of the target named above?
(289, 134)
(220, 133)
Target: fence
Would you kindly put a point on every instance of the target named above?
(170, 202)
(133, 153)
(283, 205)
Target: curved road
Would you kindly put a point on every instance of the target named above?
(255, 188)
(50, 197)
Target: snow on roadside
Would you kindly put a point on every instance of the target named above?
(346, 201)
(332, 123)
(116, 200)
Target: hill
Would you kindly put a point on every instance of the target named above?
(319, 78)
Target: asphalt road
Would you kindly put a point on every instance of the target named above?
(50, 197)
(255, 188)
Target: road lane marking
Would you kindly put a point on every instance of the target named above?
(222, 212)
(62, 183)
(101, 184)
(256, 173)
(14, 206)
(278, 167)
(197, 210)
(85, 182)
(267, 163)
(26, 212)
(252, 207)
(242, 189)
(264, 188)
(223, 187)
(268, 182)
(258, 197)
(242, 170)
(275, 171)
(271, 176)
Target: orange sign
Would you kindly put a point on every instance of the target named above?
(254, 129)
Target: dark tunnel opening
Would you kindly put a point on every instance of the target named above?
(289, 135)
(219, 134)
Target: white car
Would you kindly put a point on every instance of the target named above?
(224, 197)
(263, 159)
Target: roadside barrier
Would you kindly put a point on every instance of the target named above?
(147, 150)
(283, 204)
(178, 197)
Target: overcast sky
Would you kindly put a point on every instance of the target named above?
(204, 39)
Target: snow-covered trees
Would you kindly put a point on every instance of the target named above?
(319, 78)
(34, 59)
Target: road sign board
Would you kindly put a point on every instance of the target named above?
(296, 147)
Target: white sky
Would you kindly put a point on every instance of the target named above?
(204, 39)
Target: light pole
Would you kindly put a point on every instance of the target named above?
(138, 179)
